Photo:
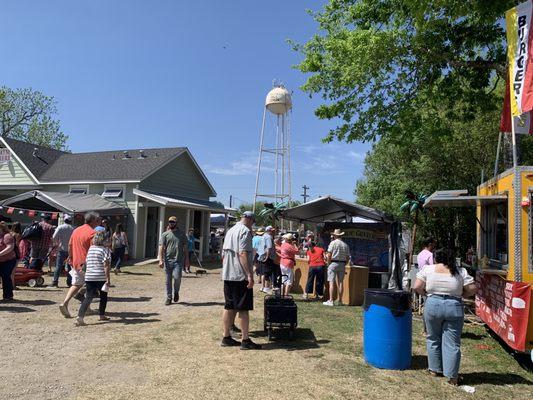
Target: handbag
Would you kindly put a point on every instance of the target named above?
(33, 232)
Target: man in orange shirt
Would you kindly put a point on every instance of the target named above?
(79, 244)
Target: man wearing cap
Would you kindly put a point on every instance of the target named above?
(258, 251)
(337, 255)
(237, 254)
(61, 238)
(270, 268)
(173, 255)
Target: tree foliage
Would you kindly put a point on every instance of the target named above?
(28, 115)
(372, 60)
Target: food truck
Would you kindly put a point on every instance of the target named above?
(504, 262)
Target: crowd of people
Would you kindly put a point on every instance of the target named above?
(89, 252)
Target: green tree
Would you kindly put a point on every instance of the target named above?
(372, 60)
(28, 115)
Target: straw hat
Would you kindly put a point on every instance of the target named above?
(259, 231)
(288, 236)
(337, 232)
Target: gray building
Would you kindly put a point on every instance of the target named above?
(150, 184)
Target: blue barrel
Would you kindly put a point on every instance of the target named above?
(387, 329)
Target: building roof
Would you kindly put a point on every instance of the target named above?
(50, 165)
(180, 201)
(63, 202)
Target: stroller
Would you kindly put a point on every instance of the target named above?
(280, 311)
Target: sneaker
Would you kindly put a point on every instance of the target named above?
(53, 285)
(64, 311)
(176, 297)
(249, 345)
(79, 322)
(305, 296)
(168, 302)
(328, 303)
(229, 342)
(103, 318)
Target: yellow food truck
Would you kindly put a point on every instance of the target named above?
(504, 258)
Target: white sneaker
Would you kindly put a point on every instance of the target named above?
(305, 296)
(328, 303)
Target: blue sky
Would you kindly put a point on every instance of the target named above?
(142, 74)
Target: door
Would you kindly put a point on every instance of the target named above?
(152, 230)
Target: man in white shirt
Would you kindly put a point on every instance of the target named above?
(338, 255)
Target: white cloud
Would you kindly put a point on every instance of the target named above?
(246, 164)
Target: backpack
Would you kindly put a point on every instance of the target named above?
(33, 232)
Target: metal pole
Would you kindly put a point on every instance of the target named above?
(283, 154)
(498, 154)
(277, 162)
(289, 155)
(259, 159)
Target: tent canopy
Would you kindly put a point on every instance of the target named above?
(460, 198)
(63, 202)
(330, 208)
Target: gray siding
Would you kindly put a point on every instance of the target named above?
(180, 177)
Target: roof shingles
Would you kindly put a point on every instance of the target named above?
(51, 165)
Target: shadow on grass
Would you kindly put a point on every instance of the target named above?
(419, 362)
(494, 378)
(38, 302)
(129, 299)
(472, 335)
(204, 304)
(131, 318)
(135, 273)
(304, 339)
(15, 309)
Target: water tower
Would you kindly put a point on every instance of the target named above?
(275, 144)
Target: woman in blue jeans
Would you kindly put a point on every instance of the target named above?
(8, 260)
(445, 285)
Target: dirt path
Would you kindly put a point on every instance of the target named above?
(152, 351)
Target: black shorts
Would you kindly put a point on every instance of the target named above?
(237, 296)
(266, 268)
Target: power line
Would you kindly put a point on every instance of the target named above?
(304, 194)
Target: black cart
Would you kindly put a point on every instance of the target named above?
(280, 312)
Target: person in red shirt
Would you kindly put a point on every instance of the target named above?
(317, 264)
(78, 246)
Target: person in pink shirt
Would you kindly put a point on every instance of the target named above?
(287, 261)
(425, 257)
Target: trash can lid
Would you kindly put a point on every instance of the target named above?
(395, 300)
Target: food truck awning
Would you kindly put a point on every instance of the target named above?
(330, 208)
(63, 202)
(460, 198)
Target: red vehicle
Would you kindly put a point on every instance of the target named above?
(31, 277)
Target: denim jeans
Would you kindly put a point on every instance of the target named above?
(118, 255)
(92, 288)
(315, 273)
(444, 316)
(60, 264)
(6, 267)
(173, 270)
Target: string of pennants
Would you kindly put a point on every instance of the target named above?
(32, 213)
(36, 213)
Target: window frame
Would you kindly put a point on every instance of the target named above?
(122, 189)
(78, 187)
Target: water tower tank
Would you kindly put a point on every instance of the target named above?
(278, 101)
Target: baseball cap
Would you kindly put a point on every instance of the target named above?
(67, 217)
(268, 228)
(172, 219)
(249, 214)
(99, 228)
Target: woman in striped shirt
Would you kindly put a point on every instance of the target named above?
(96, 276)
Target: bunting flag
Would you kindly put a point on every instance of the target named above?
(31, 213)
(522, 123)
(10, 210)
(519, 45)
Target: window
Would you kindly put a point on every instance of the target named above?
(79, 189)
(494, 235)
(113, 192)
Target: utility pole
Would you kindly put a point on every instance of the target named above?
(305, 195)
(230, 201)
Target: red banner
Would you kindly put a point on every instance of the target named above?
(504, 306)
